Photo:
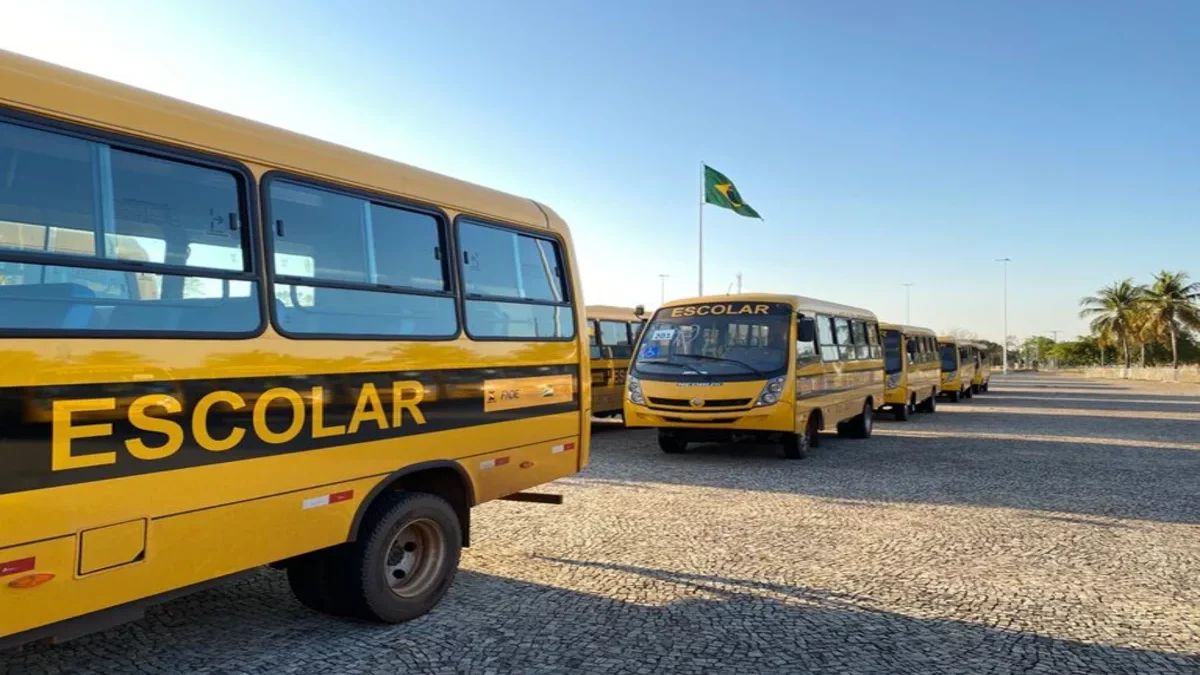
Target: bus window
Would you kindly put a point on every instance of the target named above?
(858, 333)
(827, 339)
(515, 284)
(614, 337)
(366, 269)
(949, 357)
(841, 328)
(80, 199)
(806, 352)
(892, 358)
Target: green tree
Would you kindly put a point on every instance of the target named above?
(1083, 351)
(1113, 311)
(1171, 308)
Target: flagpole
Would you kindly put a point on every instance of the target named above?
(700, 233)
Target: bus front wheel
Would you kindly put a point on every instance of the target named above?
(955, 396)
(928, 405)
(796, 446)
(671, 444)
(902, 412)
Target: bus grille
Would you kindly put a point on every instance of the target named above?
(710, 403)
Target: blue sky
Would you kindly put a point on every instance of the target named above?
(884, 142)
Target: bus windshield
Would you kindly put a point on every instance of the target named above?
(736, 340)
(893, 359)
(949, 357)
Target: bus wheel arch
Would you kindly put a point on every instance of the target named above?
(445, 479)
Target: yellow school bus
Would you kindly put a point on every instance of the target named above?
(611, 334)
(763, 367)
(983, 368)
(958, 368)
(224, 346)
(910, 364)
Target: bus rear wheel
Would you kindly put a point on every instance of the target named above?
(862, 424)
(671, 444)
(405, 558)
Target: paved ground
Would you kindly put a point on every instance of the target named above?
(1052, 526)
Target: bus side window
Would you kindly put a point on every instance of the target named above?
(826, 339)
(806, 350)
(593, 344)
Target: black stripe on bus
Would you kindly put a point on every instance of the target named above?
(455, 401)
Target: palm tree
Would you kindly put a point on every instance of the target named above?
(1113, 311)
(1172, 307)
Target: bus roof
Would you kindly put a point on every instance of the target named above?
(801, 303)
(908, 330)
(612, 312)
(70, 95)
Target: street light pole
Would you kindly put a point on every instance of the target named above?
(1004, 342)
(907, 304)
(662, 282)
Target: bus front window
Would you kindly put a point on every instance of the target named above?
(892, 356)
(949, 358)
(728, 344)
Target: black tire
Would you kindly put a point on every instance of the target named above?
(862, 424)
(901, 413)
(985, 386)
(929, 405)
(955, 396)
(968, 394)
(671, 444)
(435, 547)
(314, 584)
(796, 446)
(974, 389)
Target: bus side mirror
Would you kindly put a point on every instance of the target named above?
(806, 330)
(639, 310)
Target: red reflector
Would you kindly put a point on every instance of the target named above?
(17, 566)
(569, 446)
(501, 461)
(343, 496)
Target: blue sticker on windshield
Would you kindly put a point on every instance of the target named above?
(649, 351)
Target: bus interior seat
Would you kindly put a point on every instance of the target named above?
(65, 305)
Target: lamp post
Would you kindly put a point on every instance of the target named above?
(907, 304)
(1005, 262)
(662, 285)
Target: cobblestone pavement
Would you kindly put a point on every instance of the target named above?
(1052, 526)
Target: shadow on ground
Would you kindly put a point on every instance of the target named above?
(490, 624)
(1057, 462)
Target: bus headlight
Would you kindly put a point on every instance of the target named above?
(948, 375)
(893, 380)
(770, 391)
(634, 388)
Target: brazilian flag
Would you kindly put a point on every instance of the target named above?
(719, 190)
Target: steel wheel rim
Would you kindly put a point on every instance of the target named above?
(413, 559)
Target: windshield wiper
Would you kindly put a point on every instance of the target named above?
(743, 364)
(674, 363)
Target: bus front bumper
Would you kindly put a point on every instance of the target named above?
(779, 418)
